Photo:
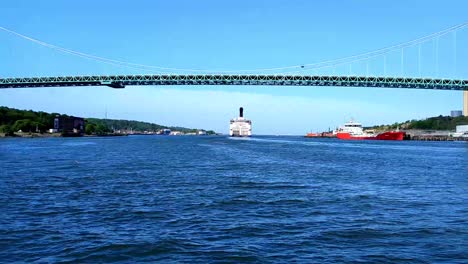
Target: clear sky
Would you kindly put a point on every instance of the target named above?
(233, 35)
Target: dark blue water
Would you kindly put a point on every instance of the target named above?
(210, 199)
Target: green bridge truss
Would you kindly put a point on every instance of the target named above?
(120, 81)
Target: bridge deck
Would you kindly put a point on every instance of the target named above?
(120, 81)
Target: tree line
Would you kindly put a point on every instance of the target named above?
(431, 123)
(13, 120)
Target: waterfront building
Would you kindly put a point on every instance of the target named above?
(165, 131)
(461, 131)
(69, 125)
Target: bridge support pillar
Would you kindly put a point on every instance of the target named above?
(465, 103)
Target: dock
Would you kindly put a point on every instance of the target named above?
(437, 138)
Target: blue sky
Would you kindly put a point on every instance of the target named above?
(232, 35)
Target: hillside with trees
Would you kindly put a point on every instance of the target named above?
(432, 123)
(25, 120)
(136, 126)
(13, 120)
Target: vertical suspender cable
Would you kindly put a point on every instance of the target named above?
(455, 54)
(437, 56)
(385, 65)
(402, 62)
(419, 60)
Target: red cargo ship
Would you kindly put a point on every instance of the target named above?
(353, 131)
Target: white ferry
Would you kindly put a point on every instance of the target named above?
(240, 127)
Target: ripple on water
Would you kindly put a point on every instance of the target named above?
(216, 199)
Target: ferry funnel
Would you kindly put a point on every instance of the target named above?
(241, 112)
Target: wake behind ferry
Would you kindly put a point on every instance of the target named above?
(354, 131)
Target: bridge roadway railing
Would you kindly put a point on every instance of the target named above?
(120, 81)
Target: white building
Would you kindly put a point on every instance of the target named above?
(461, 131)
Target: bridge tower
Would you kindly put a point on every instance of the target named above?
(465, 103)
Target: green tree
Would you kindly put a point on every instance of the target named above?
(24, 125)
(90, 129)
(102, 129)
(6, 129)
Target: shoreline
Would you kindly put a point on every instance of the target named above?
(58, 135)
(54, 135)
(429, 138)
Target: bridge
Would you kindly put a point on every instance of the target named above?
(120, 81)
(283, 76)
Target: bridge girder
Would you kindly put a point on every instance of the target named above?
(120, 81)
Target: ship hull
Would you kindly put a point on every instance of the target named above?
(320, 135)
(240, 128)
(392, 135)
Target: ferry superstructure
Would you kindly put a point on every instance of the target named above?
(240, 127)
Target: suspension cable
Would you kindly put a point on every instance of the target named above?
(302, 67)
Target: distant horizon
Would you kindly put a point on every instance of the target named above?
(217, 132)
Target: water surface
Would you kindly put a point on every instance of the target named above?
(211, 199)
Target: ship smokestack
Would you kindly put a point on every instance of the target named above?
(241, 112)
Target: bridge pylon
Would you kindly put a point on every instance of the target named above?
(465, 103)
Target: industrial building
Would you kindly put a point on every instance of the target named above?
(69, 125)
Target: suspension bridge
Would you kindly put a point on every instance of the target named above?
(315, 74)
